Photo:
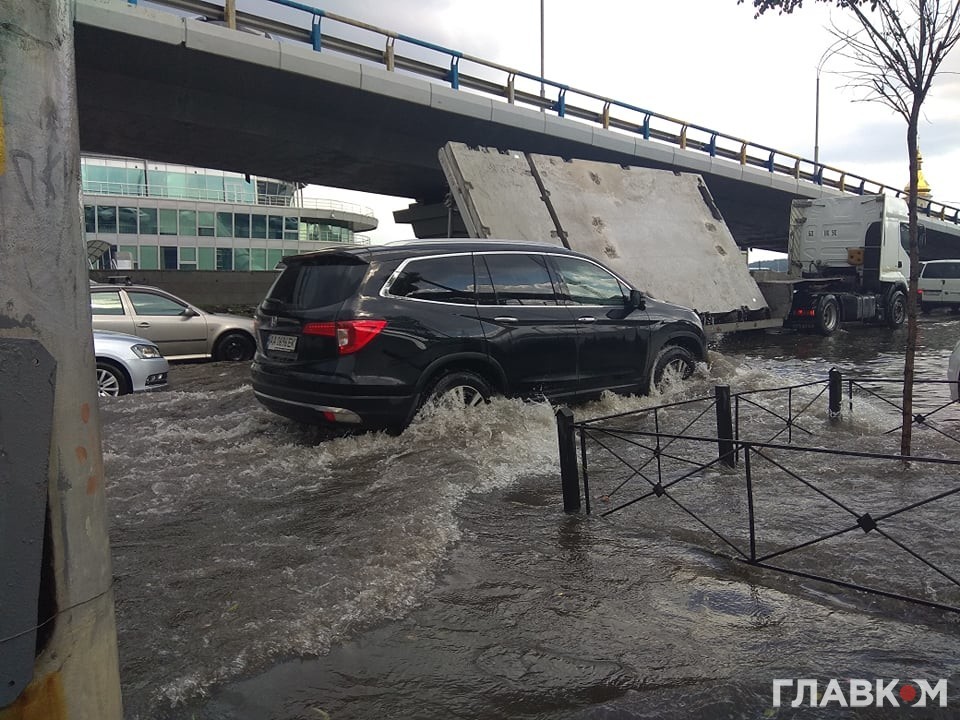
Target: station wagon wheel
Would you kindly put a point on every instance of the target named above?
(111, 381)
(672, 363)
(461, 388)
(234, 346)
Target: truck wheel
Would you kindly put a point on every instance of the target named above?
(828, 315)
(674, 362)
(896, 309)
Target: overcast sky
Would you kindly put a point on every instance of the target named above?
(705, 61)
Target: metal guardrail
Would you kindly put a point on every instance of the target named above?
(566, 101)
(635, 460)
(132, 190)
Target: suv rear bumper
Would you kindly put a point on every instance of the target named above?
(337, 405)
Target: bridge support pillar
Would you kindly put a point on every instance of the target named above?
(56, 585)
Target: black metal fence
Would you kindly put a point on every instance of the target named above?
(752, 475)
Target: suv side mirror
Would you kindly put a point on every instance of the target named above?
(635, 302)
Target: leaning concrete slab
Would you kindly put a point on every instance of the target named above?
(658, 229)
(496, 194)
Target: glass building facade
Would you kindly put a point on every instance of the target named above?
(157, 216)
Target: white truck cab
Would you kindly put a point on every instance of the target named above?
(851, 258)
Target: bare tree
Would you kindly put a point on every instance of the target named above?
(897, 49)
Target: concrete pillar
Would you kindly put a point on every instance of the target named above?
(45, 322)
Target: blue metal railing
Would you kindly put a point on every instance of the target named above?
(670, 130)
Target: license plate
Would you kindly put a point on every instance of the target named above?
(284, 343)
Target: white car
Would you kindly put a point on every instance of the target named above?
(127, 363)
(953, 373)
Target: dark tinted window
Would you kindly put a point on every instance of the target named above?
(588, 284)
(520, 279)
(319, 284)
(485, 294)
(442, 279)
(941, 270)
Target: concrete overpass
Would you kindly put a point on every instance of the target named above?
(298, 103)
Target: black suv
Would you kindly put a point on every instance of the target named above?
(364, 335)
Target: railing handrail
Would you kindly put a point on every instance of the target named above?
(773, 160)
(294, 202)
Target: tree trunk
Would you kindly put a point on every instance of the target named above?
(906, 434)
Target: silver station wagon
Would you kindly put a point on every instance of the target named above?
(180, 330)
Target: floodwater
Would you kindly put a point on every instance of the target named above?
(264, 571)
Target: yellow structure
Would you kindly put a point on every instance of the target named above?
(923, 188)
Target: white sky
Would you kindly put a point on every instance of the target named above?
(704, 61)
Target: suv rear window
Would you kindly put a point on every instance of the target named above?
(319, 283)
(441, 279)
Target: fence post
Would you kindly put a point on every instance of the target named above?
(725, 426)
(835, 394)
(569, 475)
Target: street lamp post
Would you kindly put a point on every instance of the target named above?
(827, 54)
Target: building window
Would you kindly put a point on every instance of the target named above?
(238, 190)
(224, 259)
(205, 226)
(168, 222)
(273, 258)
(127, 220)
(241, 222)
(188, 223)
(148, 221)
(196, 188)
(258, 226)
(224, 224)
(90, 218)
(291, 228)
(205, 258)
(149, 257)
(241, 259)
(169, 257)
(258, 259)
(106, 219)
(275, 223)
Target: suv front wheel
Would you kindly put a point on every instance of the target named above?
(673, 363)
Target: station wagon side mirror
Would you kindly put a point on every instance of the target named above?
(635, 302)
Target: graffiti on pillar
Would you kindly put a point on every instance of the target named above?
(39, 179)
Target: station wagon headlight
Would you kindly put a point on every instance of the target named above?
(146, 351)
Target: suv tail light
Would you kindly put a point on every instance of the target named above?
(351, 335)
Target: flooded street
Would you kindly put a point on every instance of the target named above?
(267, 571)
